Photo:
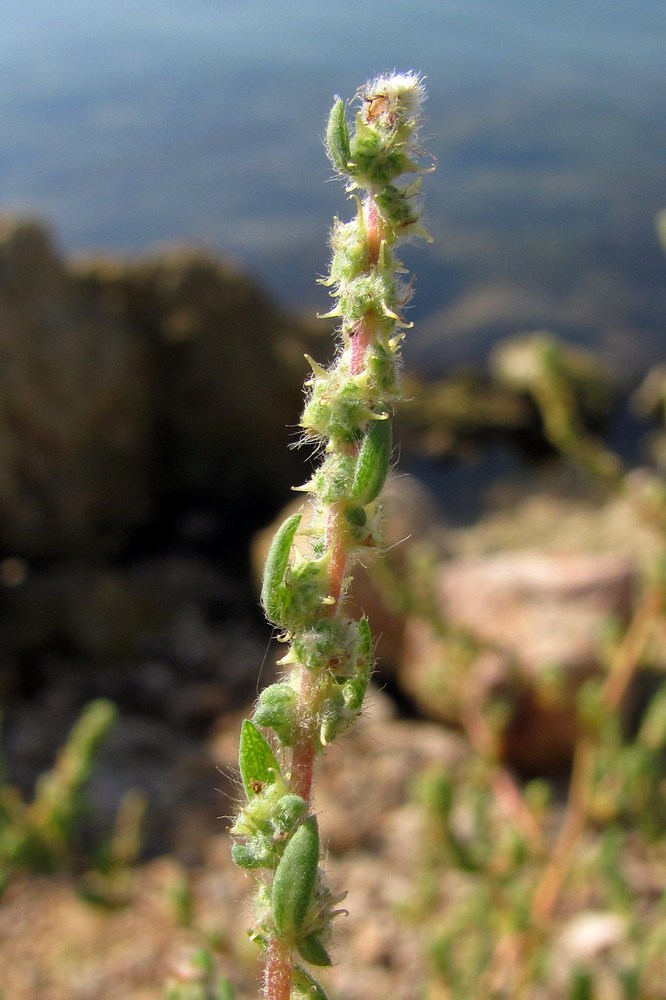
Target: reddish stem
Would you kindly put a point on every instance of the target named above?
(278, 971)
(363, 332)
(302, 767)
(374, 228)
(278, 959)
(336, 543)
(622, 671)
(360, 341)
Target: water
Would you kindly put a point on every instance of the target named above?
(130, 124)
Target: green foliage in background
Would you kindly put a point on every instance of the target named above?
(39, 835)
(526, 893)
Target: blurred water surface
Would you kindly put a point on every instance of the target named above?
(130, 124)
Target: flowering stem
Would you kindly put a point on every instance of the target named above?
(347, 418)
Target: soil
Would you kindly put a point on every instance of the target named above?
(58, 945)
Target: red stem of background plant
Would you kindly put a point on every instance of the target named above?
(623, 668)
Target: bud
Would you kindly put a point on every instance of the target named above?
(276, 710)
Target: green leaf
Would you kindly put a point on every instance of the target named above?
(365, 643)
(337, 137)
(294, 881)
(373, 462)
(313, 951)
(257, 762)
(225, 990)
(306, 986)
(274, 595)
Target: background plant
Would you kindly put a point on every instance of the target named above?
(515, 875)
(40, 835)
(347, 420)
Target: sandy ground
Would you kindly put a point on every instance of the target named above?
(55, 945)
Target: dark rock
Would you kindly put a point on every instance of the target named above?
(229, 371)
(170, 636)
(132, 391)
(76, 399)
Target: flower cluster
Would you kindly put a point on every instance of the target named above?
(347, 418)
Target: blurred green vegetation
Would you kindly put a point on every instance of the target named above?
(39, 836)
(526, 892)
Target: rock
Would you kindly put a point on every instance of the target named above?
(554, 515)
(388, 753)
(131, 389)
(171, 636)
(524, 626)
(590, 933)
(229, 370)
(598, 942)
(546, 610)
(174, 772)
(107, 613)
(76, 407)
